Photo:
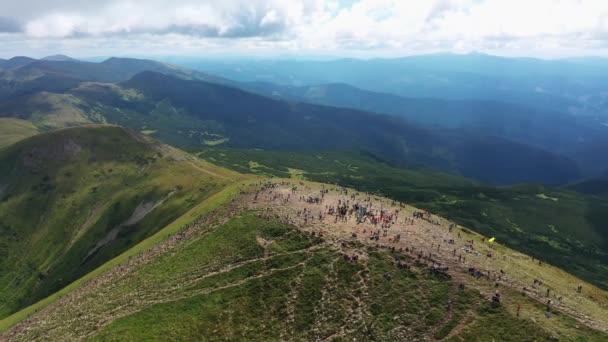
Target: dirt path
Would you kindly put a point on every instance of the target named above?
(450, 310)
(430, 241)
(209, 172)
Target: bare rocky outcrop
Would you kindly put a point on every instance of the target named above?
(141, 211)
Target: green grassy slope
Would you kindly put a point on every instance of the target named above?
(74, 198)
(562, 227)
(13, 130)
(221, 282)
(47, 110)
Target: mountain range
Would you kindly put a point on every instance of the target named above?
(191, 109)
(22, 75)
(566, 134)
(574, 86)
(558, 105)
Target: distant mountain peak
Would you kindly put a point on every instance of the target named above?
(113, 59)
(128, 59)
(16, 62)
(20, 58)
(59, 58)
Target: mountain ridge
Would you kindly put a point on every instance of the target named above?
(306, 122)
(77, 200)
(58, 58)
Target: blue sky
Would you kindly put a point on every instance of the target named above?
(355, 28)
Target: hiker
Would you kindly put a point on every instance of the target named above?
(518, 309)
(496, 298)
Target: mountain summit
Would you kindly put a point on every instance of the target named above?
(59, 58)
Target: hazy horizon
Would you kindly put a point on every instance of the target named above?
(304, 28)
(280, 57)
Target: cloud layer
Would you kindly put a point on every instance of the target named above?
(349, 27)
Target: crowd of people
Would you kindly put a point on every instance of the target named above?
(376, 222)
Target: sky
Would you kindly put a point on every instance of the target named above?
(345, 28)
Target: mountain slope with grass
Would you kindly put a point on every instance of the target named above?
(74, 198)
(254, 269)
(13, 130)
(557, 225)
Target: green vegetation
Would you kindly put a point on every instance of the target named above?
(13, 130)
(196, 213)
(564, 228)
(78, 201)
(225, 283)
(48, 111)
(161, 119)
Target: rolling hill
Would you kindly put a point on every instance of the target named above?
(75, 198)
(13, 130)
(25, 76)
(15, 62)
(59, 58)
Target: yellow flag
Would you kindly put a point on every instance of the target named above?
(492, 240)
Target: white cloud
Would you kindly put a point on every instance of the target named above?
(371, 27)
